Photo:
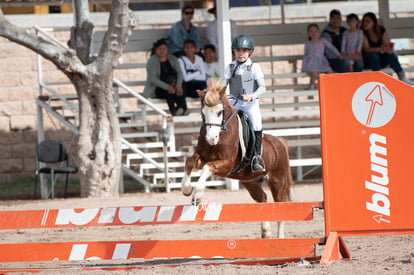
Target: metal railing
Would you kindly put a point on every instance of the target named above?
(166, 127)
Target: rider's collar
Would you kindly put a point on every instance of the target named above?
(240, 64)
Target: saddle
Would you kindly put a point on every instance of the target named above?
(247, 141)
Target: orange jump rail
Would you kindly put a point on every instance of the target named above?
(259, 249)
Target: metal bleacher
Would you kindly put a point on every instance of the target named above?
(288, 109)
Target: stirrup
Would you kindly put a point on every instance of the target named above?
(257, 164)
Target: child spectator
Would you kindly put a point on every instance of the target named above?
(210, 63)
(352, 41)
(314, 60)
(192, 68)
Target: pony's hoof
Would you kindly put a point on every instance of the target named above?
(187, 191)
(196, 202)
(266, 235)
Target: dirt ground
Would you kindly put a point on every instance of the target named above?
(370, 255)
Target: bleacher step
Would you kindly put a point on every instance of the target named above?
(141, 135)
(132, 125)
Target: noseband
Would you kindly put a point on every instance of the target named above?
(224, 123)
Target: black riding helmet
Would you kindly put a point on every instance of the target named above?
(243, 41)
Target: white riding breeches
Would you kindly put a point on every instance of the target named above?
(252, 110)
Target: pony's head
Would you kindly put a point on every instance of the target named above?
(213, 110)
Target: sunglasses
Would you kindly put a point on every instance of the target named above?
(189, 12)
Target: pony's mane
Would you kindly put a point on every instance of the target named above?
(213, 92)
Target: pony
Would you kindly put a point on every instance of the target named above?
(218, 152)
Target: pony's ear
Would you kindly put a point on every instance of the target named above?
(223, 92)
(200, 93)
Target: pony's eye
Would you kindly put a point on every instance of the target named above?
(219, 113)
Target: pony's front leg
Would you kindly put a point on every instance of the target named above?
(266, 232)
(201, 184)
(191, 163)
(219, 167)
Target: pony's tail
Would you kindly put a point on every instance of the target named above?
(289, 178)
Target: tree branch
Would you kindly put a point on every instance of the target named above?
(81, 32)
(121, 22)
(65, 59)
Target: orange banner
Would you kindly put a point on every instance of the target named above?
(366, 153)
(167, 214)
(166, 249)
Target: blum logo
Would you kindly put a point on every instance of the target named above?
(379, 202)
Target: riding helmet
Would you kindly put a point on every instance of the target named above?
(243, 41)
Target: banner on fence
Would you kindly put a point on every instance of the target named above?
(163, 214)
(367, 136)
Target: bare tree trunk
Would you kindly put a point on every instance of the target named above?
(99, 138)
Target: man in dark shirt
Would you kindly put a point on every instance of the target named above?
(333, 32)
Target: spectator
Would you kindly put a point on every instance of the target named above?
(192, 68)
(333, 32)
(314, 60)
(211, 65)
(181, 31)
(164, 78)
(211, 30)
(352, 44)
(377, 52)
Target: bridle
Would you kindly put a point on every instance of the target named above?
(224, 122)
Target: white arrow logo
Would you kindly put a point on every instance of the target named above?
(379, 219)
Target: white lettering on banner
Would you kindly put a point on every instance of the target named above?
(69, 216)
(129, 215)
(78, 252)
(165, 214)
(379, 203)
(213, 211)
(107, 215)
(121, 252)
(189, 213)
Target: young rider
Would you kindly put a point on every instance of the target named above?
(247, 84)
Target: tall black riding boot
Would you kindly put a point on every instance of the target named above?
(257, 162)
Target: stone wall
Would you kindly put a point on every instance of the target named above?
(19, 89)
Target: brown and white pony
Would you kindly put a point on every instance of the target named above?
(218, 153)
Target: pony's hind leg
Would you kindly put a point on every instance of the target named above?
(280, 188)
(257, 193)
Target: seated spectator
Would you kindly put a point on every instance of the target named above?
(164, 78)
(211, 65)
(352, 44)
(314, 60)
(212, 29)
(333, 32)
(192, 68)
(377, 52)
(181, 31)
